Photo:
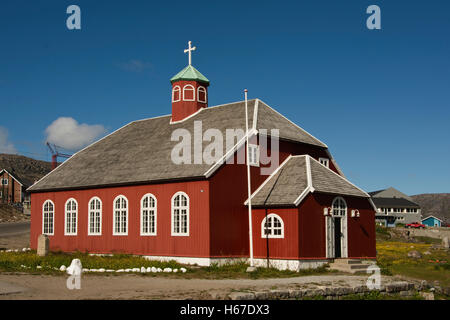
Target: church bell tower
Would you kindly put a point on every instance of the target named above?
(189, 90)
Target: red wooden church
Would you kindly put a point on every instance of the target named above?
(126, 194)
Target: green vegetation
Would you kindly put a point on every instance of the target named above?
(428, 240)
(239, 270)
(382, 233)
(14, 261)
(392, 258)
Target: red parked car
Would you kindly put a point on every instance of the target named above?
(415, 225)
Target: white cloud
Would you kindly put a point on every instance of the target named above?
(5, 146)
(135, 65)
(67, 133)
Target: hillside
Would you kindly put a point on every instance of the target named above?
(26, 169)
(436, 204)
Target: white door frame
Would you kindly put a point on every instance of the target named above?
(329, 233)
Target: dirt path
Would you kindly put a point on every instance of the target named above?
(145, 287)
(15, 235)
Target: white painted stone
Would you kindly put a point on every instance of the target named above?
(38, 267)
(101, 270)
(24, 249)
(167, 270)
(120, 270)
(175, 270)
(62, 268)
(183, 270)
(110, 270)
(75, 267)
(136, 270)
(127, 270)
(143, 270)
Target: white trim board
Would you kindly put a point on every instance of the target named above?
(4, 170)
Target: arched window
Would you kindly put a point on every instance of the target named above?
(71, 210)
(148, 215)
(180, 214)
(339, 207)
(272, 226)
(95, 217)
(120, 223)
(176, 94)
(189, 93)
(201, 94)
(48, 213)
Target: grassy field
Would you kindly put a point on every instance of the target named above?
(392, 258)
(29, 262)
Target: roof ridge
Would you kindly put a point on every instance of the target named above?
(341, 177)
(296, 125)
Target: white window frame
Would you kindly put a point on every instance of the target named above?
(193, 92)
(176, 88)
(251, 161)
(203, 89)
(325, 162)
(181, 207)
(53, 218)
(120, 233)
(71, 220)
(272, 227)
(94, 211)
(5, 180)
(155, 213)
(342, 212)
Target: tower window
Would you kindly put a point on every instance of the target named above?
(176, 94)
(201, 94)
(188, 93)
(325, 162)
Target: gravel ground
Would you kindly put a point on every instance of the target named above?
(27, 286)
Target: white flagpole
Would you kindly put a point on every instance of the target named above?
(249, 185)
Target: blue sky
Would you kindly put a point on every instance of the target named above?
(378, 98)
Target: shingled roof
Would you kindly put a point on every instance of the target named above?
(140, 152)
(394, 203)
(296, 177)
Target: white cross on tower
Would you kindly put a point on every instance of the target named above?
(189, 50)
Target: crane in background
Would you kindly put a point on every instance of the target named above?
(55, 154)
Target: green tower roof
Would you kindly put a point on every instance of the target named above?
(189, 73)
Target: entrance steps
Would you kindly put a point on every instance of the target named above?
(349, 265)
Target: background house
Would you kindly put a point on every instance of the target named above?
(395, 207)
(432, 221)
(17, 173)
